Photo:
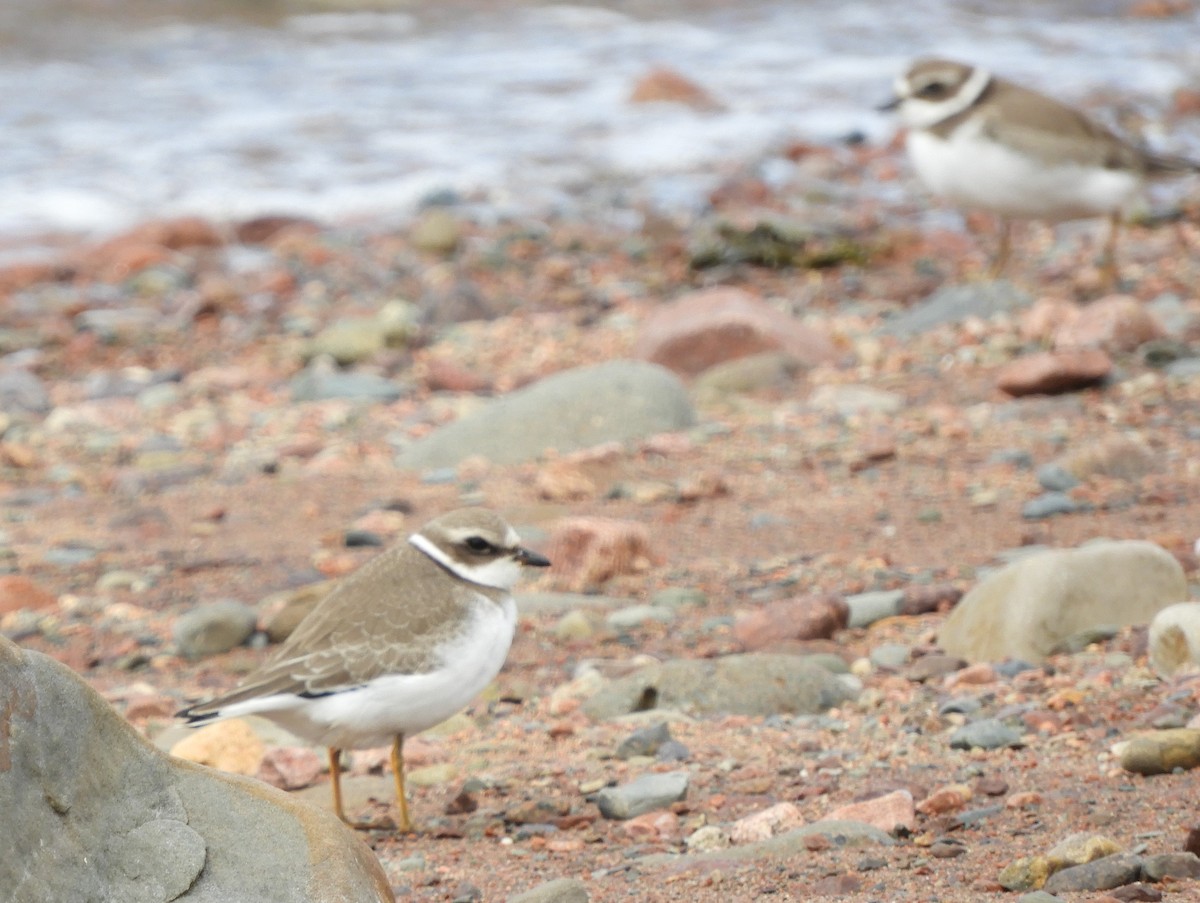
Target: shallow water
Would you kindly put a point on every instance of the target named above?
(117, 111)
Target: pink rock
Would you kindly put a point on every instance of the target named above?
(653, 827)
(704, 328)
(1040, 322)
(812, 617)
(767, 823)
(587, 551)
(1052, 372)
(290, 767)
(945, 799)
(979, 673)
(17, 593)
(1115, 323)
(147, 705)
(888, 812)
(1029, 799)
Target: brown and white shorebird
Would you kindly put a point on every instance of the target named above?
(988, 144)
(398, 646)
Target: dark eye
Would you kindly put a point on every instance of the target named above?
(478, 544)
(933, 91)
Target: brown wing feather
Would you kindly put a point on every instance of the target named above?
(1046, 129)
(352, 634)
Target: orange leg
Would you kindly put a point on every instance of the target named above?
(398, 774)
(335, 775)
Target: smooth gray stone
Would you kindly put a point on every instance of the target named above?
(645, 794)
(890, 655)
(214, 628)
(1100, 874)
(987, 733)
(560, 890)
(867, 608)
(1048, 504)
(618, 401)
(104, 816)
(316, 384)
(1172, 865)
(751, 684)
(1056, 478)
(955, 303)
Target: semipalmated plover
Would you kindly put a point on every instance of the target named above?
(986, 143)
(398, 646)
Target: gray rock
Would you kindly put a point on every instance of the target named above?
(890, 655)
(645, 741)
(987, 733)
(138, 826)
(1180, 866)
(1184, 368)
(560, 890)
(1056, 478)
(214, 628)
(748, 374)
(751, 684)
(1026, 608)
(867, 608)
(962, 705)
(1038, 896)
(22, 392)
(1048, 504)
(1101, 874)
(955, 303)
(319, 384)
(613, 402)
(645, 794)
(637, 616)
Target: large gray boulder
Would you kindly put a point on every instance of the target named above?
(93, 813)
(752, 684)
(616, 401)
(1026, 609)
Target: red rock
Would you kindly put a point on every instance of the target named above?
(591, 550)
(662, 85)
(176, 234)
(262, 229)
(653, 827)
(20, 593)
(704, 328)
(1053, 372)
(1115, 323)
(888, 812)
(766, 823)
(979, 673)
(1029, 799)
(921, 600)
(945, 799)
(17, 276)
(290, 767)
(815, 616)
(444, 376)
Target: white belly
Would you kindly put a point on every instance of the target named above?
(972, 171)
(372, 715)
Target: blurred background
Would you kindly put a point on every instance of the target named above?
(116, 111)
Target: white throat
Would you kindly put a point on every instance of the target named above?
(499, 573)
